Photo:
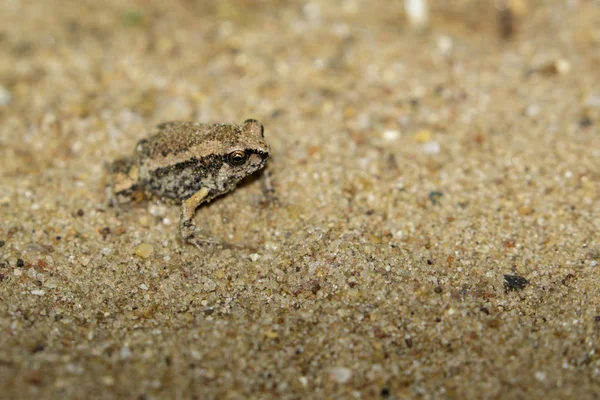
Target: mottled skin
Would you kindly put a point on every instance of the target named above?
(190, 163)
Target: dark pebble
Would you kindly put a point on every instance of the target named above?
(316, 286)
(435, 197)
(493, 323)
(105, 232)
(514, 282)
(385, 392)
(20, 263)
(2, 242)
(585, 122)
(38, 348)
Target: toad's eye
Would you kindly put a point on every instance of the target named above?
(237, 158)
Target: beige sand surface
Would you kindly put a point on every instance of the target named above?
(413, 170)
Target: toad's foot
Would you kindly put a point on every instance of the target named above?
(186, 224)
(202, 242)
(189, 235)
(269, 195)
(188, 229)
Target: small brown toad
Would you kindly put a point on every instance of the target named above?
(190, 163)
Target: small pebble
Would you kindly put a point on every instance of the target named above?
(51, 283)
(417, 12)
(514, 282)
(340, 375)
(157, 210)
(556, 67)
(312, 11)
(210, 285)
(533, 110)
(84, 260)
(143, 286)
(269, 334)
(254, 257)
(391, 135)
(423, 136)
(5, 96)
(585, 122)
(525, 210)
(144, 220)
(445, 44)
(435, 197)
(125, 353)
(562, 66)
(108, 380)
(143, 250)
(540, 376)
(195, 354)
(38, 292)
(431, 148)
(592, 101)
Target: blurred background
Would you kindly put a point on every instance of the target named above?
(360, 63)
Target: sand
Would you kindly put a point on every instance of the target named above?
(436, 227)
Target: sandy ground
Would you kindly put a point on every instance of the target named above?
(436, 233)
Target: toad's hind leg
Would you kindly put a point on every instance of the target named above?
(186, 224)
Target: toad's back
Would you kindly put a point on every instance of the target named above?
(183, 157)
(179, 137)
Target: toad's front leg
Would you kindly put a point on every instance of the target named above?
(186, 224)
